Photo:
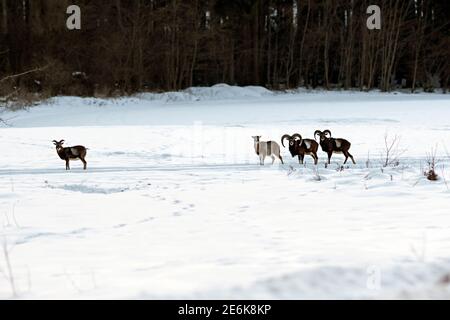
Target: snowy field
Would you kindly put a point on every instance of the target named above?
(174, 204)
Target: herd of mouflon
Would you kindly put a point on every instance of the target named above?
(297, 147)
(301, 147)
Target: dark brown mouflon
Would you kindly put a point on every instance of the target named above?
(71, 153)
(301, 147)
(333, 145)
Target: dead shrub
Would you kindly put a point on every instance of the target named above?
(430, 173)
(390, 155)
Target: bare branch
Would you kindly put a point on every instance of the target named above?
(443, 177)
(391, 153)
(9, 275)
(4, 122)
(24, 73)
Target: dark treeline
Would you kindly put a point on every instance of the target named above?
(126, 46)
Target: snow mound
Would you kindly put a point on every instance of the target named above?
(413, 280)
(224, 91)
(220, 91)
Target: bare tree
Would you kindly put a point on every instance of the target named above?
(127, 46)
(394, 19)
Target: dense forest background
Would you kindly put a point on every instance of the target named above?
(126, 46)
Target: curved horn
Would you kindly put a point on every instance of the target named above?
(286, 136)
(298, 135)
(327, 131)
(317, 132)
(54, 141)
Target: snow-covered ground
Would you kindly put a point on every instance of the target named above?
(175, 205)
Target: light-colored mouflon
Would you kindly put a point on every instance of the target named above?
(266, 148)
